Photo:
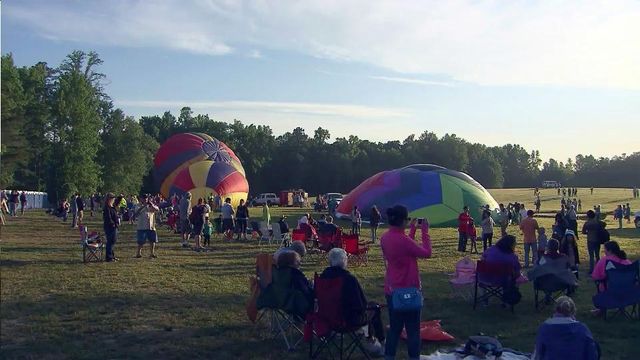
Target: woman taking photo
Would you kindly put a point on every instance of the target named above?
(401, 253)
(111, 223)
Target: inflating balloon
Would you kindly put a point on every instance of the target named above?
(204, 178)
(428, 191)
(181, 150)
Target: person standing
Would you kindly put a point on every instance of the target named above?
(529, 226)
(617, 214)
(146, 227)
(374, 222)
(23, 202)
(197, 222)
(464, 219)
(356, 221)
(184, 211)
(74, 210)
(266, 214)
(487, 224)
(227, 218)
(627, 213)
(572, 219)
(110, 224)
(80, 208)
(503, 218)
(593, 228)
(242, 217)
(400, 254)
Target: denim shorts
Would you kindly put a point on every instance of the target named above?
(143, 236)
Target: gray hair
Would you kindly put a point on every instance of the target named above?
(298, 246)
(337, 257)
(565, 306)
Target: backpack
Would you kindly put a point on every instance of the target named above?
(603, 234)
(482, 346)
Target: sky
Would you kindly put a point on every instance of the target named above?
(562, 77)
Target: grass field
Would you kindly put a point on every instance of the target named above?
(191, 305)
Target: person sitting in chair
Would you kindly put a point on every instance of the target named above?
(612, 252)
(284, 227)
(357, 311)
(556, 264)
(296, 246)
(299, 282)
(563, 337)
(328, 228)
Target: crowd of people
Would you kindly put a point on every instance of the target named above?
(557, 254)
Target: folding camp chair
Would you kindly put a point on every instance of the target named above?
(357, 253)
(621, 290)
(92, 245)
(549, 285)
(329, 325)
(492, 278)
(463, 280)
(275, 301)
(279, 237)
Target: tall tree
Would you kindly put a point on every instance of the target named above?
(127, 154)
(12, 152)
(76, 126)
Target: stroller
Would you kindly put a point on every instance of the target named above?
(636, 221)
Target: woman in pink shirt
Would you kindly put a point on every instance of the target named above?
(612, 252)
(401, 253)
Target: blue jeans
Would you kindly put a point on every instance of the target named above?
(534, 256)
(397, 321)
(112, 236)
(462, 241)
(594, 254)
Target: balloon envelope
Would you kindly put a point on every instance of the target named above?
(205, 178)
(182, 150)
(428, 191)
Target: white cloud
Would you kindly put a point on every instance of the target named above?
(255, 54)
(413, 81)
(564, 42)
(316, 109)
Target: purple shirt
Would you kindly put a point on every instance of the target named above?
(495, 255)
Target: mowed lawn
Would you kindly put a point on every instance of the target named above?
(192, 305)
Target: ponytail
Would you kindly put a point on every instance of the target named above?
(614, 248)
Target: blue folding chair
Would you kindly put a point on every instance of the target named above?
(621, 290)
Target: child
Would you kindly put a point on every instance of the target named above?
(472, 236)
(207, 230)
(542, 243)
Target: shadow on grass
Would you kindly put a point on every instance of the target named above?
(626, 233)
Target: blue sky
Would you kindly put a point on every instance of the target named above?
(562, 77)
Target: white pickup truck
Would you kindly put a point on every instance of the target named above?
(266, 198)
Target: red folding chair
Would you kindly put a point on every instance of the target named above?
(328, 324)
(299, 235)
(357, 253)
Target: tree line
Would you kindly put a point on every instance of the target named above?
(62, 134)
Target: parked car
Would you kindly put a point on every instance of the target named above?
(265, 198)
(334, 196)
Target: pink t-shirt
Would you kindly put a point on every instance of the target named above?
(401, 253)
(600, 271)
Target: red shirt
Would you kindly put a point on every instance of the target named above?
(463, 223)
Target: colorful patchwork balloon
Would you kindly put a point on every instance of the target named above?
(204, 178)
(428, 191)
(182, 150)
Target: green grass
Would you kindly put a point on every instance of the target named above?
(191, 305)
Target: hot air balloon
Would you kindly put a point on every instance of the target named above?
(206, 177)
(428, 191)
(182, 150)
